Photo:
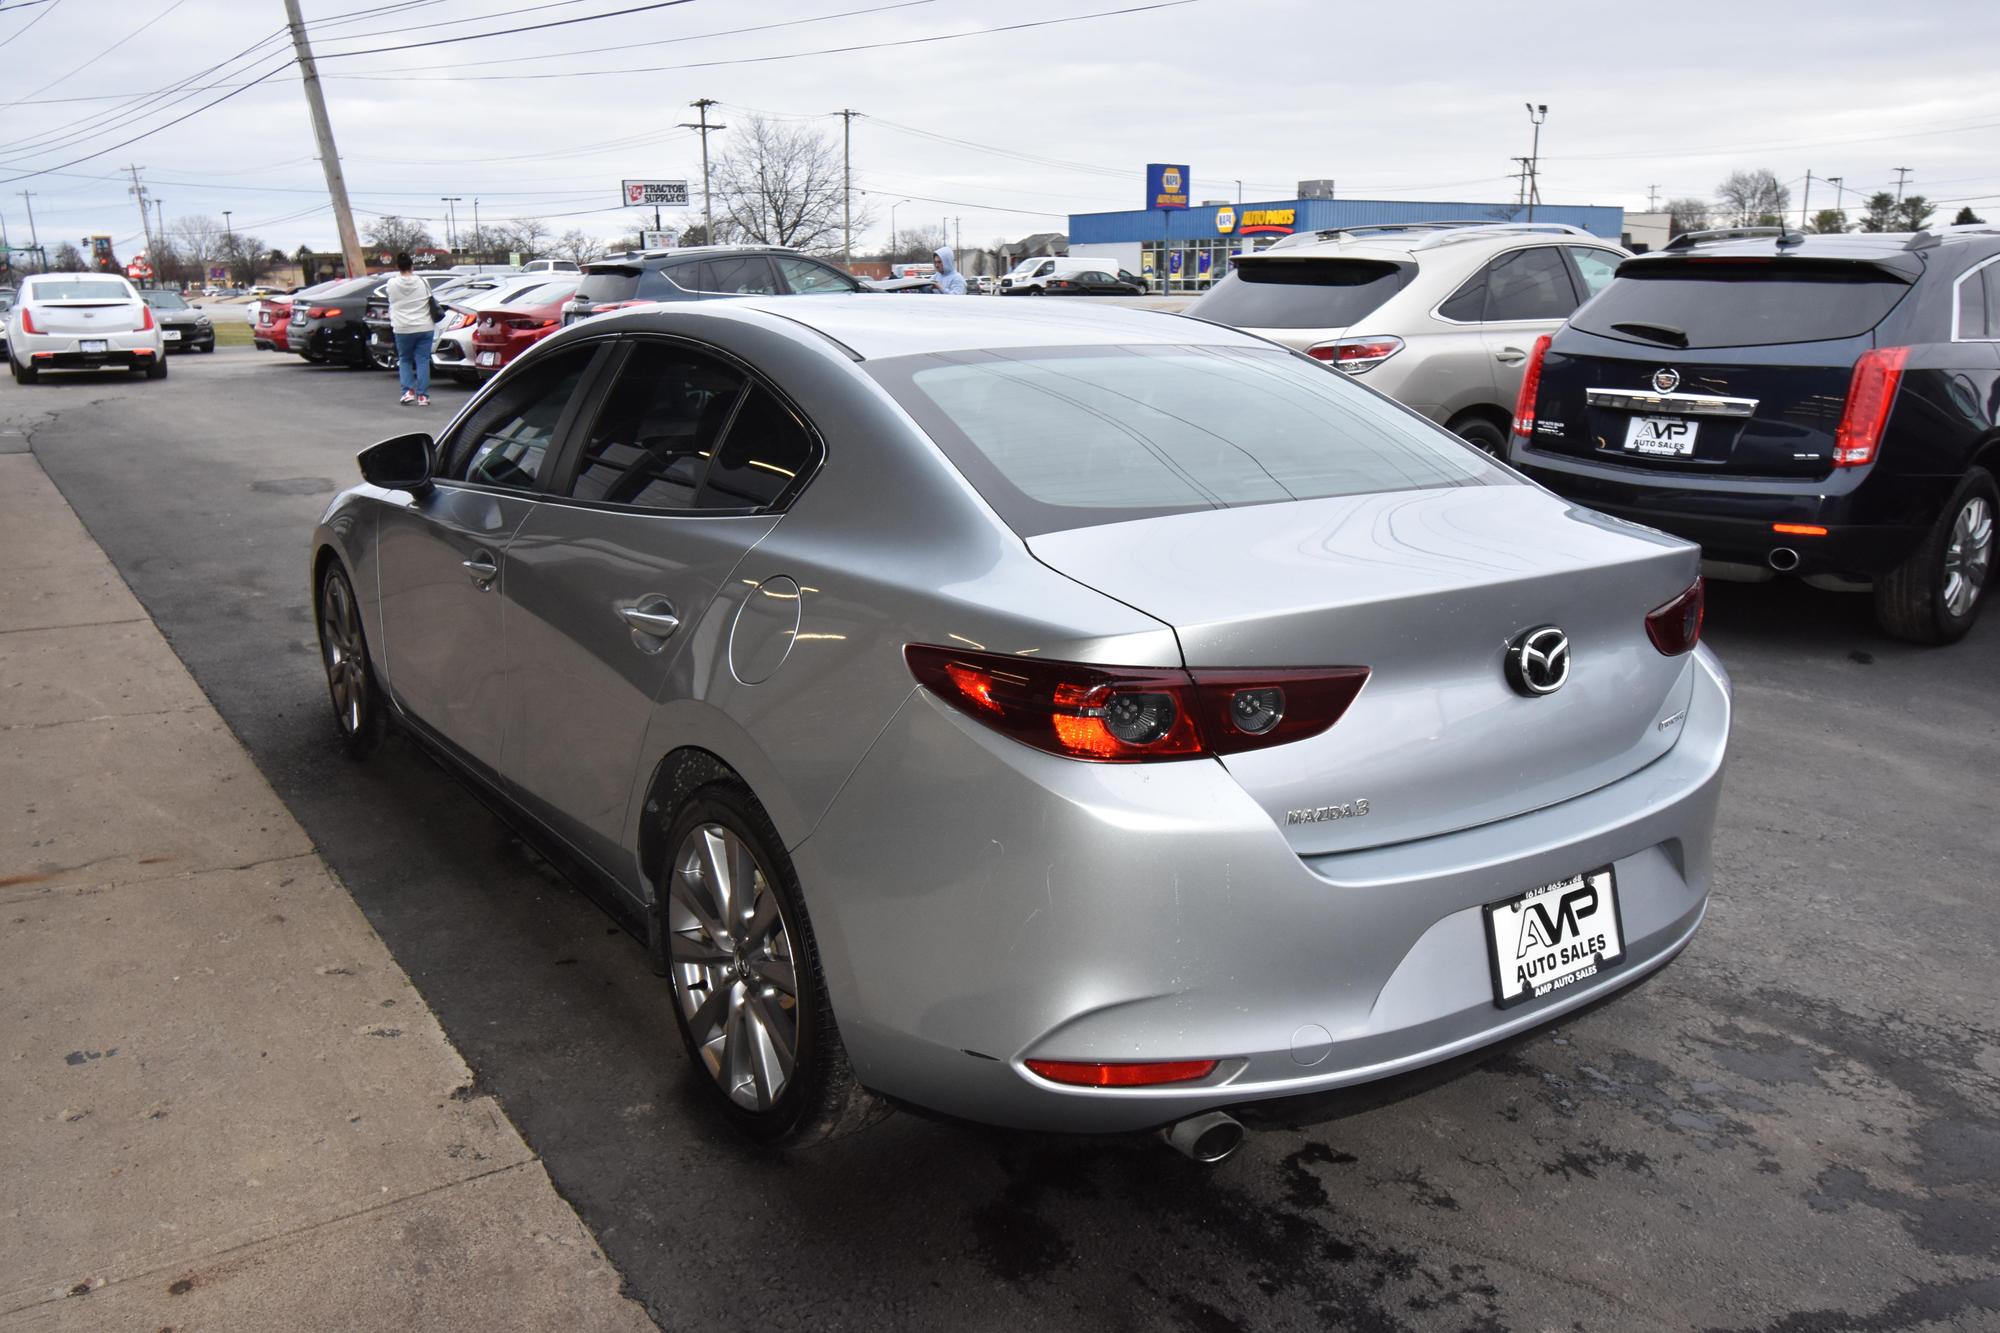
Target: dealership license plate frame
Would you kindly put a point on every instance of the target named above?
(1511, 916)
(1656, 445)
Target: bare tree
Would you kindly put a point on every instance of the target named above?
(68, 259)
(398, 235)
(529, 236)
(1687, 214)
(916, 244)
(781, 184)
(578, 246)
(245, 257)
(1754, 198)
(196, 237)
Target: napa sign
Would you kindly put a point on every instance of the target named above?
(1166, 185)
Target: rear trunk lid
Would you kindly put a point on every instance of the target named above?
(1426, 589)
(1302, 301)
(88, 318)
(1715, 365)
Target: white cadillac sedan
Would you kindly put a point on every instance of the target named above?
(82, 321)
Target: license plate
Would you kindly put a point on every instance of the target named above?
(89, 345)
(1550, 938)
(1665, 437)
(170, 335)
(489, 358)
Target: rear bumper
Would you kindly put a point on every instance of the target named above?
(345, 341)
(62, 351)
(1033, 907)
(1873, 522)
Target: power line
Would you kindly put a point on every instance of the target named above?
(107, 50)
(508, 32)
(391, 77)
(32, 22)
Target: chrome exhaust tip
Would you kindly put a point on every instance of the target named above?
(1784, 559)
(1210, 1138)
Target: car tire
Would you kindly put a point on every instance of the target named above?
(380, 359)
(22, 374)
(157, 370)
(728, 961)
(1482, 434)
(1935, 596)
(360, 710)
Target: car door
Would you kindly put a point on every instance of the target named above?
(809, 277)
(442, 555)
(1529, 292)
(737, 275)
(611, 588)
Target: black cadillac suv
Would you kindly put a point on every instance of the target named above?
(1825, 406)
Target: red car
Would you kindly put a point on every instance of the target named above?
(274, 317)
(502, 335)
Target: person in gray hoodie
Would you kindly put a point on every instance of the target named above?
(950, 282)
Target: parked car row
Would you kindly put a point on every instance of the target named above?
(1820, 406)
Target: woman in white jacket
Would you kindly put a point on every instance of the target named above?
(410, 319)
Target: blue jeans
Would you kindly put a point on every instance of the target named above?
(413, 362)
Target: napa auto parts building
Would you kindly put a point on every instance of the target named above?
(1198, 238)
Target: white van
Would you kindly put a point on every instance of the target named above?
(1031, 275)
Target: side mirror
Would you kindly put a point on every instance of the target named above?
(400, 463)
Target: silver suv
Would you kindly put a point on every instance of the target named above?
(1441, 316)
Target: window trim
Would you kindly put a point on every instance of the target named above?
(1976, 271)
(1479, 275)
(557, 482)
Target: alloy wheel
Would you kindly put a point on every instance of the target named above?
(1967, 555)
(340, 646)
(731, 961)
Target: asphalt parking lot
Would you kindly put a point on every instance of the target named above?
(1796, 1126)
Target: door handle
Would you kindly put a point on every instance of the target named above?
(1510, 355)
(482, 569)
(653, 617)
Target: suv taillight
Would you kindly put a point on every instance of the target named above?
(1675, 628)
(1531, 385)
(1870, 394)
(1356, 355)
(1135, 714)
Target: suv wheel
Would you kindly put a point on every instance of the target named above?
(748, 994)
(1482, 434)
(22, 374)
(1935, 595)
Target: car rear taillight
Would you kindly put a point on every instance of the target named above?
(323, 312)
(1870, 394)
(28, 321)
(1355, 355)
(1122, 1074)
(1135, 714)
(1676, 627)
(1531, 385)
(145, 317)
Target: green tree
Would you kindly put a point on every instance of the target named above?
(1914, 213)
(1881, 214)
(1829, 221)
(1967, 218)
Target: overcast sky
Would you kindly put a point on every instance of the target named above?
(1412, 101)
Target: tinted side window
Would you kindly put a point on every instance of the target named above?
(1529, 284)
(1467, 305)
(1974, 306)
(503, 442)
(1992, 276)
(807, 278)
(1596, 266)
(672, 283)
(659, 425)
(765, 449)
(737, 275)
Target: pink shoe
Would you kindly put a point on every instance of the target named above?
(407, 398)
(423, 400)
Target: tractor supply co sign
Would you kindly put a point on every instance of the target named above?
(656, 194)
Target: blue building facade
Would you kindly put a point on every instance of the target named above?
(1199, 240)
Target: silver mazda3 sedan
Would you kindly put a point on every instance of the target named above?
(1072, 719)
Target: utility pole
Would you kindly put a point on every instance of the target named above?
(847, 116)
(138, 191)
(329, 157)
(1652, 198)
(1239, 194)
(451, 202)
(475, 222)
(42, 260)
(702, 104)
(957, 236)
(1902, 174)
(1520, 182)
(1805, 199)
(1537, 113)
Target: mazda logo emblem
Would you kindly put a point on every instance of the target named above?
(1538, 661)
(1666, 380)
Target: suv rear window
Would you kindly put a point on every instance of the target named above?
(1727, 302)
(1302, 293)
(1061, 438)
(601, 285)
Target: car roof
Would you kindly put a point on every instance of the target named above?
(875, 326)
(632, 257)
(1402, 240)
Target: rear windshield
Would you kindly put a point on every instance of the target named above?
(1733, 303)
(1063, 438)
(1302, 293)
(164, 300)
(601, 285)
(79, 289)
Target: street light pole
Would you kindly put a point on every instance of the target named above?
(1537, 113)
(892, 227)
(451, 202)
